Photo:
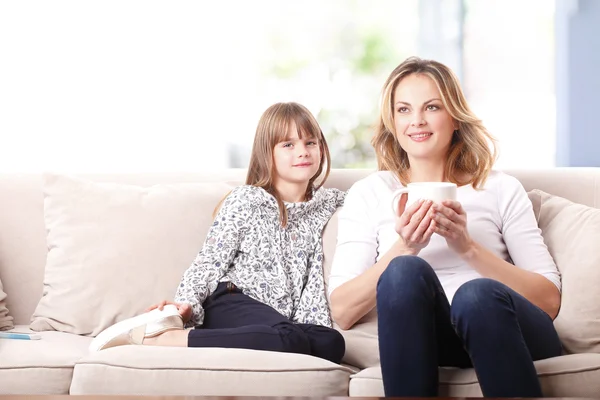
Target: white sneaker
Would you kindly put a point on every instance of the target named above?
(135, 330)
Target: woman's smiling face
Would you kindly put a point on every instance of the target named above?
(424, 128)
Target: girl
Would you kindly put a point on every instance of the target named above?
(257, 283)
(467, 283)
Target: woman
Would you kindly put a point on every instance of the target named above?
(477, 292)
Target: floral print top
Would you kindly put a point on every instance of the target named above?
(278, 266)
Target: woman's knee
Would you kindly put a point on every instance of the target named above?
(404, 274)
(478, 298)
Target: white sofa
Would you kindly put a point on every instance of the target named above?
(77, 255)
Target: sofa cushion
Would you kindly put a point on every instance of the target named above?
(576, 375)
(42, 366)
(153, 370)
(6, 321)
(362, 343)
(572, 233)
(114, 249)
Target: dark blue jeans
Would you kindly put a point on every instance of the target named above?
(235, 320)
(489, 327)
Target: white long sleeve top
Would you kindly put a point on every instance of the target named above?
(500, 217)
(278, 266)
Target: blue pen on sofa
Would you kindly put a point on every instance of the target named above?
(19, 336)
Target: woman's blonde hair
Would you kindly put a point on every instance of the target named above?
(472, 151)
(274, 127)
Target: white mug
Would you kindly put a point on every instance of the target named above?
(434, 191)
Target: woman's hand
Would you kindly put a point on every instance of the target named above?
(185, 309)
(450, 222)
(414, 224)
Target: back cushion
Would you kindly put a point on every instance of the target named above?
(115, 249)
(362, 344)
(6, 321)
(22, 243)
(572, 233)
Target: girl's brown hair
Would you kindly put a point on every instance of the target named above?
(274, 127)
(472, 151)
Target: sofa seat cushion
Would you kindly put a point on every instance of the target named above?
(575, 375)
(153, 370)
(42, 366)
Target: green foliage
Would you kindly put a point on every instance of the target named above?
(377, 53)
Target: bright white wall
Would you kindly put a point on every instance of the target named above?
(146, 85)
(120, 85)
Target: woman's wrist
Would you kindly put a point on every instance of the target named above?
(470, 251)
(402, 249)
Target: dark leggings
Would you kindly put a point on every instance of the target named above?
(235, 320)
